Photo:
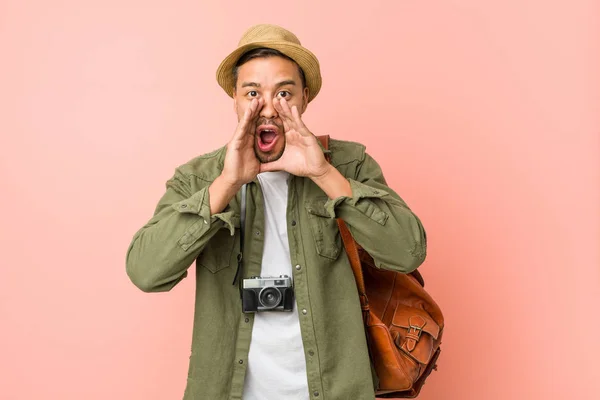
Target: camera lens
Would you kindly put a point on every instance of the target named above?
(269, 297)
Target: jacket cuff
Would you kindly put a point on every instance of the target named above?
(359, 191)
(199, 204)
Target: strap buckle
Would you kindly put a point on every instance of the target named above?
(414, 331)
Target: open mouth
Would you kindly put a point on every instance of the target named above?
(267, 137)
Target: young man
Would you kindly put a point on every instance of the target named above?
(316, 349)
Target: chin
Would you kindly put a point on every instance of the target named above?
(271, 156)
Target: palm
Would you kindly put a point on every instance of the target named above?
(302, 155)
(241, 165)
(246, 162)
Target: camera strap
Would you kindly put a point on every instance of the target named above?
(242, 228)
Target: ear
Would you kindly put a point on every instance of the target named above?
(306, 92)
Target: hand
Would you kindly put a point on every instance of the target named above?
(241, 165)
(302, 155)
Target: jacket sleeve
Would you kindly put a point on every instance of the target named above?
(163, 249)
(380, 221)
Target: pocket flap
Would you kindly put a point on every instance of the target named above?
(405, 317)
(414, 333)
(326, 234)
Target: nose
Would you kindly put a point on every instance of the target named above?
(268, 111)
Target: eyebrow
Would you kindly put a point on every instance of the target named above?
(282, 83)
(286, 82)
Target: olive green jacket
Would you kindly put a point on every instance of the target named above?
(183, 230)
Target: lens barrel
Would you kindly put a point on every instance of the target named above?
(269, 297)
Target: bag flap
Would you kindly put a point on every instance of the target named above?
(414, 333)
(405, 317)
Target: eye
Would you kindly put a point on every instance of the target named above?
(253, 93)
(283, 94)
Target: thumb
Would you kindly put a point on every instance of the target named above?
(272, 166)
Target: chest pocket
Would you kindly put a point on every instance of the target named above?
(218, 253)
(324, 229)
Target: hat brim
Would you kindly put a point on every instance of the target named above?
(303, 57)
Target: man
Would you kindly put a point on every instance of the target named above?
(318, 349)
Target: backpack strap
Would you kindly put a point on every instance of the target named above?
(324, 139)
(351, 248)
(347, 239)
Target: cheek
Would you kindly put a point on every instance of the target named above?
(297, 101)
(239, 109)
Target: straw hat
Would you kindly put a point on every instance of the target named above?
(277, 38)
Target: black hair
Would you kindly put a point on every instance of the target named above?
(263, 52)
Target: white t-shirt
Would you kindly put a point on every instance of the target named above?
(276, 361)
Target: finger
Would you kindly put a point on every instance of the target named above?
(286, 121)
(251, 110)
(259, 105)
(286, 125)
(242, 125)
(291, 121)
(277, 106)
(255, 107)
(285, 107)
(299, 123)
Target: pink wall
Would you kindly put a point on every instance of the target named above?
(483, 114)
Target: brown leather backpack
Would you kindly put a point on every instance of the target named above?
(403, 324)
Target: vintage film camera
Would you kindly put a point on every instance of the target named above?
(267, 293)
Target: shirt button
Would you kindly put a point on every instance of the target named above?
(247, 320)
(241, 361)
(316, 394)
(298, 267)
(184, 206)
(311, 353)
(294, 223)
(304, 311)
(257, 233)
(205, 221)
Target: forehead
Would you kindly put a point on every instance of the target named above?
(268, 70)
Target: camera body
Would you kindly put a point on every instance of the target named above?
(267, 293)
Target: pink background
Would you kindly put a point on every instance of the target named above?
(483, 114)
